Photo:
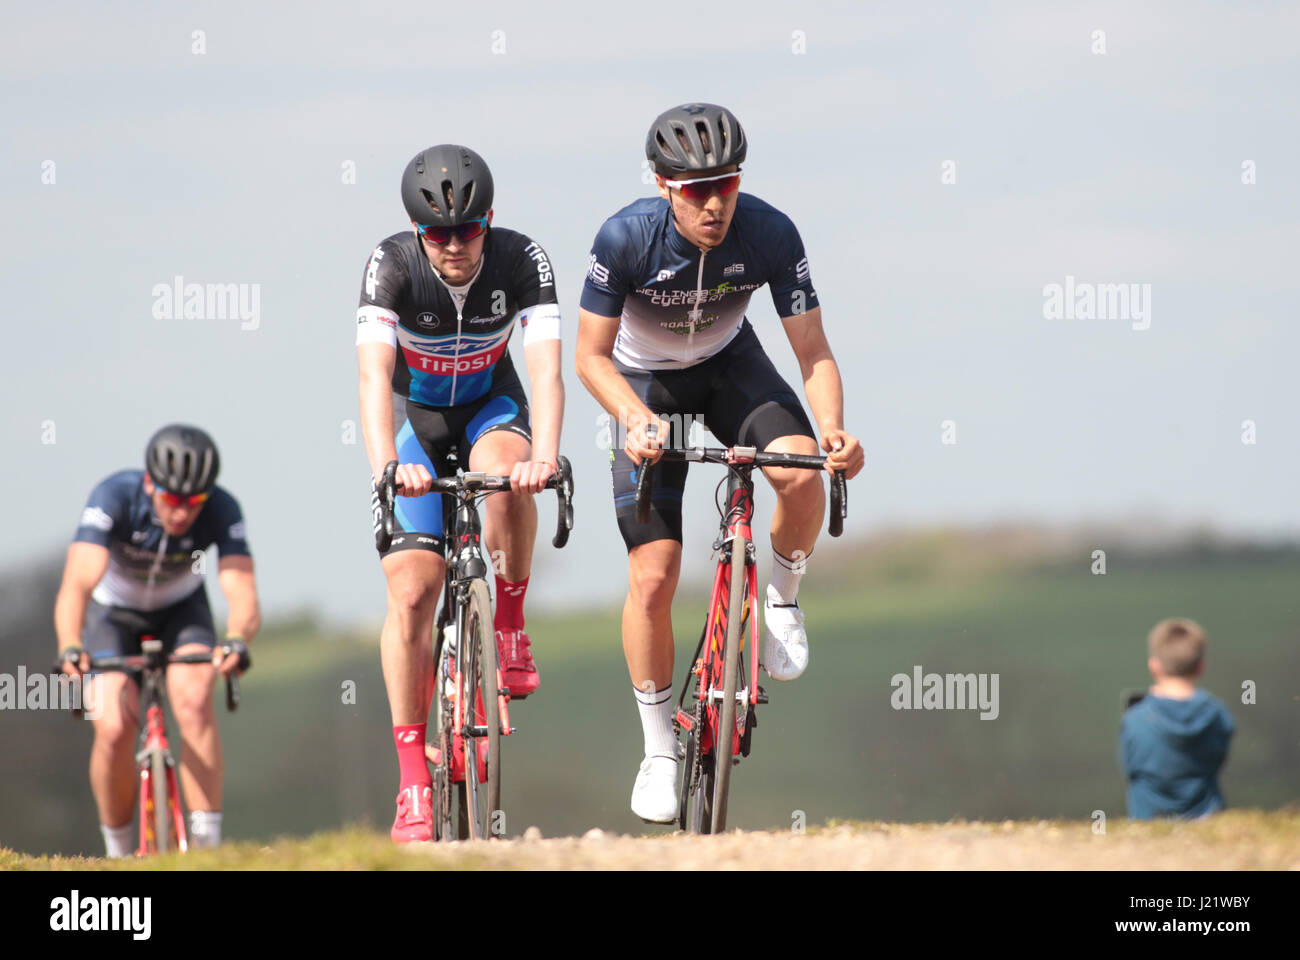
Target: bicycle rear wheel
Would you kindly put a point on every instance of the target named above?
(481, 691)
(698, 813)
(161, 815)
(724, 742)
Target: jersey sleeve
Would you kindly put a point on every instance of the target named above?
(228, 525)
(608, 280)
(539, 309)
(789, 277)
(382, 286)
(106, 509)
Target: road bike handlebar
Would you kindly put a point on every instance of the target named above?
(745, 455)
(388, 489)
(144, 661)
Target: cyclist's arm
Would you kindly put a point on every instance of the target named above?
(594, 363)
(543, 358)
(235, 574)
(84, 569)
(376, 362)
(823, 387)
(821, 375)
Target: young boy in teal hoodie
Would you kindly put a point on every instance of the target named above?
(1174, 739)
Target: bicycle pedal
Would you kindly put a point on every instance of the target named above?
(684, 720)
(762, 696)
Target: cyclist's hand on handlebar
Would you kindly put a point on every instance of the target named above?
(75, 661)
(413, 480)
(530, 476)
(231, 654)
(645, 439)
(843, 453)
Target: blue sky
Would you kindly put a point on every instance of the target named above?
(227, 166)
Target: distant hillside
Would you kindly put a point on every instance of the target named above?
(1023, 604)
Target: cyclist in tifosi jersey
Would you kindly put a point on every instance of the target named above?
(663, 332)
(139, 546)
(438, 305)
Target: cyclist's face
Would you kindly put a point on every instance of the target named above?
(455, 260)
(703, 223)
(175, 520)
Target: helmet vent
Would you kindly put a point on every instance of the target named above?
(428, 197)
(702, 130)
(469, 191)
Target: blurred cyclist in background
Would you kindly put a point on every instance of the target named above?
(139, 546)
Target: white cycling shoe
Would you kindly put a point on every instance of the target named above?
(785, 642)
(654, 796)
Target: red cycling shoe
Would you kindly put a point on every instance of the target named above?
(515, 655)
(414, 820)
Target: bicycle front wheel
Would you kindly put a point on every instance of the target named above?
(482, 713)
(161, 808)
(724, 743)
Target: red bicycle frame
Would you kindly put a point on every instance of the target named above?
(156, 740)
(709, 666)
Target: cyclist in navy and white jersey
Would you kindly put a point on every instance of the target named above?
(663, 333)
(438, 306)
(139, 547)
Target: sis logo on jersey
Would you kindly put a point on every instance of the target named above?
(596, 270)
(452, 354)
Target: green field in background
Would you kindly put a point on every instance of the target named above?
(1065, 643)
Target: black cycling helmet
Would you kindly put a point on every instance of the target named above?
(446, 185)
(694, 136)
(182, 459)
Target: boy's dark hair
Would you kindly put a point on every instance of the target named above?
(1179, 646)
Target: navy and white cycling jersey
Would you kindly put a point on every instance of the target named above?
(679, 305)
(147, 568)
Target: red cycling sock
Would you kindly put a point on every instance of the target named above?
(409, 740)
(510, 604)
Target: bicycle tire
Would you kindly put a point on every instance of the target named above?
(726, 736)
(444, 825)
(161, 806)
(462, 812)
(481, 688)
(702, 809)
(697, 803)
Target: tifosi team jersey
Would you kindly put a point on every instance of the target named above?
(147, 568)
(678, 305)
(453, 340)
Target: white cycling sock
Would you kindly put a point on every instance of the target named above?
(205, 828)
(118, 840)
(656, 709)
(786, 574)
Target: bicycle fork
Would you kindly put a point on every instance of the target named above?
(156, 744)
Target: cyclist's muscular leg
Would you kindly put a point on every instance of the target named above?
(113, 703)
(509, 531)
(415, 580)
(509, 519)
(800, 506)
(800, 499)
(653, 569)
(189, 688)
